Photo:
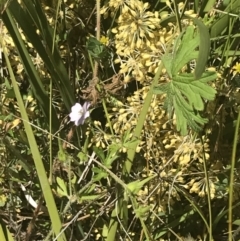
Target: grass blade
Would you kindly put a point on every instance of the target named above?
(46, 189)
(5, 235)
(32, 19)
(34, 79)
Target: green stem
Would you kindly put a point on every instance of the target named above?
(208, 193)
(231, 179)
(113, 225)
(137, 132)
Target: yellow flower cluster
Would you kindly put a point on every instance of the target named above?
(199, 186)
(114, 5)
(136, 27)
(187, 149)
(100, 139)
(126, 117)
(139, 39)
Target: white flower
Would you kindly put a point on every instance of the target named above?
(79, 113)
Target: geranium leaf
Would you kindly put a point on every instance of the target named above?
(186, 51)
(186, 92)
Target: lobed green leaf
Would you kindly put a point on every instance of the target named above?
(186, 92)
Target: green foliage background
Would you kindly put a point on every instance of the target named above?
(159, 153)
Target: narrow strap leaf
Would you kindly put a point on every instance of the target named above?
(204, 48)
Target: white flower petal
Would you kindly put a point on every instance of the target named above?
(79, 113)
(77, 107)
(86, 115)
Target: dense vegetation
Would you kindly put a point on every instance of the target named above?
(119, 120)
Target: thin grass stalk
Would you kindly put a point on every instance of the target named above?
(178, 18)
(50, 136)
(231, 179)
(227, 45)
(98, 16)
(208, 193)
(189, 198)
(50, 104)
(95, 65)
